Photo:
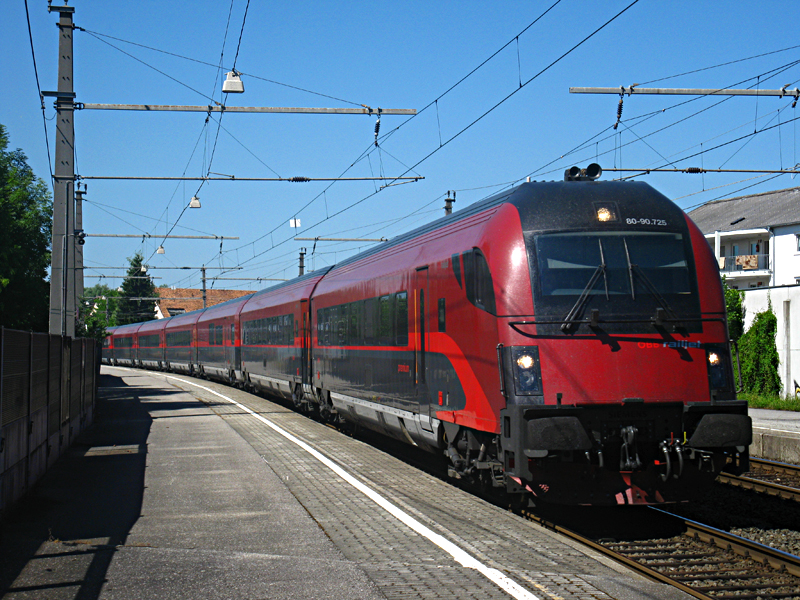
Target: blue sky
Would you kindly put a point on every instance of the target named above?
(389, 55)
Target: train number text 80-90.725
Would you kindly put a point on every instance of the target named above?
(659, 222)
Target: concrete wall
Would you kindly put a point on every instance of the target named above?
(47, 396)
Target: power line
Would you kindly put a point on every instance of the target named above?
(41, 97)
(545, 69)
(208, 64)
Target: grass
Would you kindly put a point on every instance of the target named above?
(790, 403)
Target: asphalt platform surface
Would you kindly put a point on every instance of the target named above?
(185, 489)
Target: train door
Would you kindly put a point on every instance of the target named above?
(421, 300)
(305, 342)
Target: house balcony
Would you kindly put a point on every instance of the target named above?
(749, 270)
(745, 263)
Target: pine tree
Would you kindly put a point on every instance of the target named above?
(137, 284)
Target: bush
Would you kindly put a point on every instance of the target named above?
(759, 355)
(734, 309)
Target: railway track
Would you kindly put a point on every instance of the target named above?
(769, 477)
(701, 561)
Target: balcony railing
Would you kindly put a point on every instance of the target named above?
(744, 262)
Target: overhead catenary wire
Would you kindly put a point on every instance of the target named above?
(459, 133)
(41, 96)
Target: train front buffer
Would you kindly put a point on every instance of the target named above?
(627, 452)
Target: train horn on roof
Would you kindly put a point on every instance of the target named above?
(590, 173)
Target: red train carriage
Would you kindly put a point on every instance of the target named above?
(150, 343)
(124, 348)
(565, 339)
(275, 339)
(107, 352)
(180, 351)
(218, 349)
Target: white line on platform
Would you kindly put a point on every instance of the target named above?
(461, 556)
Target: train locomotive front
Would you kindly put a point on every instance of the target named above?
(619, 388)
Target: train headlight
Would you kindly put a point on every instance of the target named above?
(525, 361)
(606, 212)
(720, 375)
(527, 371)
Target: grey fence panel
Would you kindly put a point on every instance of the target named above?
(16, 375)
(54, 386)
(40, 359)
(46, 381)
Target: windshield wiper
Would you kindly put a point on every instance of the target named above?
(634, 268)
(572, 315)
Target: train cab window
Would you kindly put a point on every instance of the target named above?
(442, 323)
(455, 260)
(401, 318)
(478, 281)
(623, 274)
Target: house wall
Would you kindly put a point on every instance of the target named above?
(786, 269)
(786, 306)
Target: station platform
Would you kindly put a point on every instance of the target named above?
(185, 489)
(776, 435)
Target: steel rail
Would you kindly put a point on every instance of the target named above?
(742, 547)
(639, 567)
(766, 487)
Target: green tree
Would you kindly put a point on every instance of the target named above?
(735, 309)
(26, 220)
(98, 311)
(760, 355)
(137, 285)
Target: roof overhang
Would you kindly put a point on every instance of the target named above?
(739, 234)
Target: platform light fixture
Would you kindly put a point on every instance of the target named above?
(233, 83)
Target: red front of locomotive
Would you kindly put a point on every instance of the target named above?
(614, 356)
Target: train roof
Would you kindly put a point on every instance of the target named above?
(542, 205)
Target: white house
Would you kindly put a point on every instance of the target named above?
(756, 240)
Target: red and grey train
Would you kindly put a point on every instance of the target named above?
(566, 341)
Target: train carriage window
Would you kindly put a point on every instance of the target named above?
(233, 334)
(211, 334)
(442, 323)
(401, 318)
(353, 314)
(386, 324)
(371, 322)
(218, 332)
(149, 341)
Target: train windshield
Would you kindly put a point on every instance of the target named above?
(624, 275)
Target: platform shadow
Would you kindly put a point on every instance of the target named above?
(83, 508)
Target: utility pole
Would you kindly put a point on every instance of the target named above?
(78, 241)
(62, 284)
(302, 261)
